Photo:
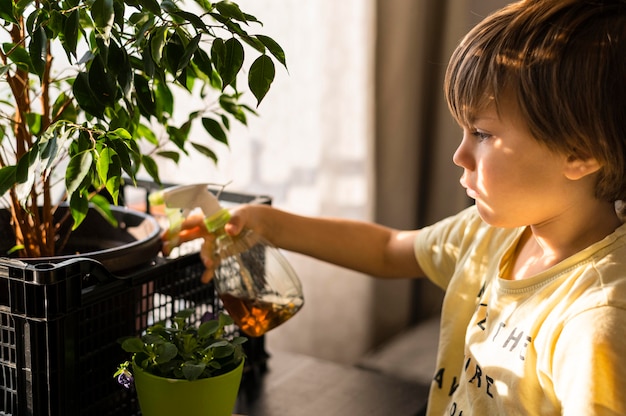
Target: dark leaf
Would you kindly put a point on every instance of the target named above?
(69, 36)
(151, 5)
(174, 156)
(192, 18)
(190, 50)
(38, 50)
(232, 61)
(85, 97)
(205, 151)
(274, 48)
(174, 51)
(144, 96)
(203, 62)
(261, 75)
(102, 83)
(214, 128)
(102, 13)
(192, 371)
(7, 178)
(151, 167)
(132, 345)
(230, 11)
(6, 11)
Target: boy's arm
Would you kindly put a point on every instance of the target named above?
(362, 246)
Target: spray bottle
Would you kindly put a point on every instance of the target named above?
(258, 287)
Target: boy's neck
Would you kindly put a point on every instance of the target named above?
(545, 245)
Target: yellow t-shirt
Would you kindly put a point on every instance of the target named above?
(553, 344)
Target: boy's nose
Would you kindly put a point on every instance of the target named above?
(463, 155)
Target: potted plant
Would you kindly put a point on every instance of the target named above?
(88, 93)
(181, 369)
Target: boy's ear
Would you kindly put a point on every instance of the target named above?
(577, 168)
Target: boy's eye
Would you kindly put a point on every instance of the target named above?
(481, 135)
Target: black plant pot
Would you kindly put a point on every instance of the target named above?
(120, 249)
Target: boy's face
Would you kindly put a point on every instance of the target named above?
(514, 179)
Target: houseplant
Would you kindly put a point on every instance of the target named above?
(181, 369)
(87, 97)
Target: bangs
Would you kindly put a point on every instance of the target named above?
(478, 72)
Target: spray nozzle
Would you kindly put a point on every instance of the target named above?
(180, 200)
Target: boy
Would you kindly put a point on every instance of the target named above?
(534, 317)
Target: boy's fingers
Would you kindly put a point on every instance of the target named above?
(207, 276)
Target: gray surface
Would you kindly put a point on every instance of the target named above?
(410, 356)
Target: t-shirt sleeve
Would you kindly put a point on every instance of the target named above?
(441, 246)
(589, 365)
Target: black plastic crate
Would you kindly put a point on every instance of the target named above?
(59, 326)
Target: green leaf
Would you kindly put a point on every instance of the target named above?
(6, 11)
(79, 205)
(157, 43)
(103, 206)
(69, 36)
(101, 83)
(192, 18)
(232, 61)
(208, 328)
(190, 50)
(205, 151)
(230, 105)
(174, 156)
(174, 51)
(34, 123)
(151, 5)
(77, 171)
(164, 99)
(85, 97)
(7, 178)
(37, 49)
(25, 175)
(102, 13)
(223, 350)
(144, 96)
(166, 352)
(203, 62)
(133, 345)
(169, 6)
(147, 133)
(214, 128)
(105, 159)
(230, 11)
(192, 371)
(261, 75)
(274, 48)
(18, 55)
(151, 167)
(119, 64)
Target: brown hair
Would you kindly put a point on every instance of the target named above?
(565, 63)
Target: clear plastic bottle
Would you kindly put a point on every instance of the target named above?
(257, 285)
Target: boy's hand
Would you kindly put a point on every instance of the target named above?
(193, 228)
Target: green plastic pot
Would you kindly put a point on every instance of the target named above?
(214, 396)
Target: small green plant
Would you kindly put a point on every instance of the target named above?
(182, 351)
